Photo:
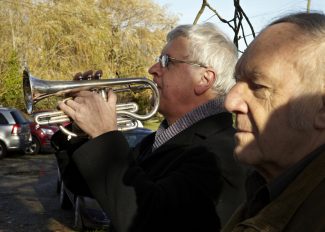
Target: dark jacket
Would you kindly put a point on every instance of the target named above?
(300, 207)
(175, 188)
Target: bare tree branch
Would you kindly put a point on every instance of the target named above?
(236, 23)
(200, 12)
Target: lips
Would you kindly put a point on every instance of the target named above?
(243, 130)
(243, 125)
(155, 81)
(158, 86)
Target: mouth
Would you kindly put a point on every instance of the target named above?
(239, 130)
(243, 126)
(156, 83)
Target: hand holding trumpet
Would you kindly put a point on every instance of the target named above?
(91, 112)
(86, 108)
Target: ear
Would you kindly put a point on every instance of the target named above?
(320, 116)
(205, 82)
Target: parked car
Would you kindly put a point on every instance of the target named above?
(41, 137)
(15, 132)
(87, 212)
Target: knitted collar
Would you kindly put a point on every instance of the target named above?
(166, 132)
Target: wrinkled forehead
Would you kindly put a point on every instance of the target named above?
(178, 46)
(275, 43)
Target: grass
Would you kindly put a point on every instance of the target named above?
(152, 124)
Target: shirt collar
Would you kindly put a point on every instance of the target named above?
(165, 132)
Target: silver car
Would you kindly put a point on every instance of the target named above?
(15, 132)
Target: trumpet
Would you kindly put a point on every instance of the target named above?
(36, 89)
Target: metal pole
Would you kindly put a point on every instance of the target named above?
(308, 6)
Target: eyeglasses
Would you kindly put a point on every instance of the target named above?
(165, 59)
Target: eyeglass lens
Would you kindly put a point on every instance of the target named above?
(164, 60)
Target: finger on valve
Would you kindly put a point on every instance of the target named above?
(88, 75)
(98, 75)
(77, 76)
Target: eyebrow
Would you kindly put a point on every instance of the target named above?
(182, 57)
(247, 74)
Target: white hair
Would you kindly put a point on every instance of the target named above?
(211, 47)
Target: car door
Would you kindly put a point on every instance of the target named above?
(23, 132)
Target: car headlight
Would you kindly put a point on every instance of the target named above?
(47, 131)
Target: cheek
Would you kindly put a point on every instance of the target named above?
(247, 150)
(174, 88)
(262, 114)
(168, 95)
(273, 134)
(302, 113)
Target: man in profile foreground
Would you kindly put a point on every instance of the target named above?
(279, 102)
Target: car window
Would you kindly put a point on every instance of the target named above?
(3, 120)
(134, 139)
(29, 118)
(19, 118)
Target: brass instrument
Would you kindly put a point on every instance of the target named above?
(36, 89)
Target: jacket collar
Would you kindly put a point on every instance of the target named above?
(201, 130)
(276, 216)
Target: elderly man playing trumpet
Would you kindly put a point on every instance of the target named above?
(176, 176)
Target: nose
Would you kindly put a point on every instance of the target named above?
(155, 70)
(235, 102)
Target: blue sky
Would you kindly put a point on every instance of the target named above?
(260, 12)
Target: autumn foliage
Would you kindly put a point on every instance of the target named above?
(59, 38)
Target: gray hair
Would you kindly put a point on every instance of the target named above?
(211, 47)
(311, 23)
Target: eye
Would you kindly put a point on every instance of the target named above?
(254, 86)
(259, 91)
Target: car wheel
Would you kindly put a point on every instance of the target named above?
(33, 148)
(78, 224)
(3, 150)
(65, 202)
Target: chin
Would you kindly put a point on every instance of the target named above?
(247, 154)
(165, 109)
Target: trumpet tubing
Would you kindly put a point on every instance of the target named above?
(36, 89)
(57, 117)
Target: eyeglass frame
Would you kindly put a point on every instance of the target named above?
(165, 59)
